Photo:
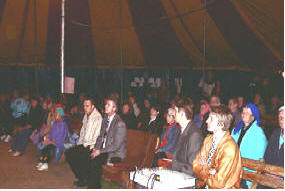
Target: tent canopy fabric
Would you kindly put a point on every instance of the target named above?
(240, 34)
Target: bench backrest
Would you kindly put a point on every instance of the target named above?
(140, 148)
(260, 176)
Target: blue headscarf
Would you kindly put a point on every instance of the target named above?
(255, 112)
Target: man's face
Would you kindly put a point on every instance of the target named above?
(34, 103)
(109, 107)
(132, 100)
(214, 101)
(281, 119)
(81, 97)
(246, 115)
(125, 109)
(213, 123)
(146, 103)
(26, 97)
(88, 107)
(44, 106)
(232, 106)
(153, 112)
(240, 102)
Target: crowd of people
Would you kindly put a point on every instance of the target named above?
(205, 140)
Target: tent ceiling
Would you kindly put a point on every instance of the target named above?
(240, 34)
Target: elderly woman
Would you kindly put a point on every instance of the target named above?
(249, 135)
(168, 138)
(54, 142)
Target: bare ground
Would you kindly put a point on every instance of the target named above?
(20, 172)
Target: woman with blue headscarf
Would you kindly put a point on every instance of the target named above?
(249, 135)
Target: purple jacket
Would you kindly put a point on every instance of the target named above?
(59, 132)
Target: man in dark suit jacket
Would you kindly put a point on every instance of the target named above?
(189, 142)
(154, 122)
(110, 145)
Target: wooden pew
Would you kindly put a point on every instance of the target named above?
(141, 147)
(263, 174)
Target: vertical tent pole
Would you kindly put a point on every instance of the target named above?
(36, 48)
(121, 53)
(204, 43)
(62, 47)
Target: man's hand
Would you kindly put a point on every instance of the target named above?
(95, 153)
(202, 161)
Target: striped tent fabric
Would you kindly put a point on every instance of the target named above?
(239, 34)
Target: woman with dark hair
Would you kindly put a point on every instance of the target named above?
(128, 116)
(154, 122)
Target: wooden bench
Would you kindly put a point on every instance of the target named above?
(140, 147)
(263, 174)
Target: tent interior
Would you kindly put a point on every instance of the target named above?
(137, 38)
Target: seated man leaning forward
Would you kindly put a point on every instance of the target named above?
(218, 164)
(189, 142)
(78, 157)
(110, 145)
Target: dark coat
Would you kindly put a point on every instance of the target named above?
(187, 147)
(155, 127)
(130, 120)
(274, 155)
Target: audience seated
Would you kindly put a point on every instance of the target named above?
(54, 141)
(34, 120)
(272, 108)
(20, 111)
(249, 135)
(189, 142)
(204, 112)
(154, 122)
(110, 146)
(134, 105)
(258, 101)
(5, 116)
(168, 138)
(78, 156)
(241, 102)
(39, 133)
(102, 140)
(128, 116)
(214, 101)
(233, 106)
(218, 164)
(274, 153)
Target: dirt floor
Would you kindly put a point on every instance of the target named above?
(20, 172)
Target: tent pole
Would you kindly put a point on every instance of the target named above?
(62, 47)
(121, 53)
(36, 48)
(204, 43)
